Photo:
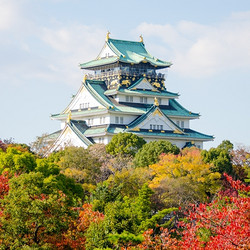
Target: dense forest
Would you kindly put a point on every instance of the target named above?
(128, 194)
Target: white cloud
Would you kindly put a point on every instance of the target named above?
(71, 45)
(202, 50)
(8, 14)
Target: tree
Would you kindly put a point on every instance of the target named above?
(150, 152)
(130, 180)
(4, 184)
(182, 179)
(16, 161)
(54, 180)
(30, 216)
(241, 163)
(3, 146)
(42, 144)
(221, 224)
(103, 194)
(219, 157)
(78, 163)
(125, 144)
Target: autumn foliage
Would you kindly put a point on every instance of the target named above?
(75, 200)
(222, 224)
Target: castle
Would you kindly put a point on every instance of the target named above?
(124, 91)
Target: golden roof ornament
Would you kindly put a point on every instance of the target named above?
(85, 77)
(156, 103)
(107, 36)
(69, 116)
(141, 39)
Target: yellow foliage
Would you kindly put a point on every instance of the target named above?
(187, 164)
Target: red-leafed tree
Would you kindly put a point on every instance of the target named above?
(222, 224)
(74, 237)
(4, 184)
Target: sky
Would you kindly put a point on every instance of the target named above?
(42, 43)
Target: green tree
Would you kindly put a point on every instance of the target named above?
(30, 216)
(125, 144)
(219, 157)
(150, 152)
(54, 180)
(78, 163)
(103, 194)
(132, 179)
(128, 214)
(16, 161)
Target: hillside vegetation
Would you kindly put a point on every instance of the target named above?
(128, 194)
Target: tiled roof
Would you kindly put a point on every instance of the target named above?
(141, 118)
(188, 134)
(99, 88)
(79, 127)
(127, 52)
(148, 92)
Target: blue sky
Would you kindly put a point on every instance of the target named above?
(43, 41)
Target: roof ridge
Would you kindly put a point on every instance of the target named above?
(79, 133)
(121, 40)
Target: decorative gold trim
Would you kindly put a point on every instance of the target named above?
(126, 82)
(85, 77)
(107, 36)
(156, 103)
(157, 112)
(156, 84)
(136, 129)
(177, 132)
(141, 39)
(69, 116)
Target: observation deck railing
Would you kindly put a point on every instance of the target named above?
(130, 72)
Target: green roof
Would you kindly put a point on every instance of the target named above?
(98, 90)
(177, 110)
(141, 118)
(95, 130)
(148, 92)
(188, 134)
(127, 52)
(79, 127)
(79, 112)
(99, 62)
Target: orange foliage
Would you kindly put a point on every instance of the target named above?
(74, 237)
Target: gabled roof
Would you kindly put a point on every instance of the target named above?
(142, 82)
(99, 91)
(73, 126)
(188, 134)
(178, 110)
(79, 127)
(153, 110)
(126, 52)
